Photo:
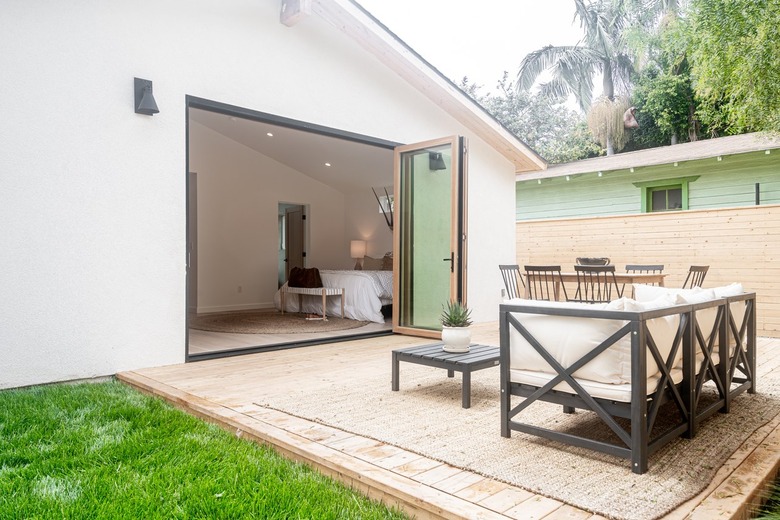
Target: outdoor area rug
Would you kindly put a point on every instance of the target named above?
(269, 322)
(426, 417)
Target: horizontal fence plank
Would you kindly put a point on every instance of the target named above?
(739, 245)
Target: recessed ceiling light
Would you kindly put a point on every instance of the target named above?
(269, 134)
(327, 164)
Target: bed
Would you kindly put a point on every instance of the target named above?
(365, 293)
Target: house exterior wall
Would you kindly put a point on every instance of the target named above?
(722, 183)
(739, 245)
(93, 198)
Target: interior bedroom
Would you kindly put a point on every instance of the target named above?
(265, 199)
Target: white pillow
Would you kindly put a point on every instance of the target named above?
(567, 339)
(728, 290)
(737, 309)
(696, 295)
(662, 329)
(704, 317)
(645, 293)
(553, 303)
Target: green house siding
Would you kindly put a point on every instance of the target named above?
(728, 182)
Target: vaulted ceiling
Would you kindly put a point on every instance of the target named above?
(353, 165)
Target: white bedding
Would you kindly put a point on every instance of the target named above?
(364, 294)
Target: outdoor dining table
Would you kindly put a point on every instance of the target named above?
(620, 278)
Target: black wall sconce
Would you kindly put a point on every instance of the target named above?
(144, 100)
(436, 161)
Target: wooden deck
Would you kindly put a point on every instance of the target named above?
(223, 391)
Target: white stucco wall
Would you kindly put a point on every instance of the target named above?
(93, 195)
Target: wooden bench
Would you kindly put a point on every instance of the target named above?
(314, 291)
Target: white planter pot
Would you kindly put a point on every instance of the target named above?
(456, 339)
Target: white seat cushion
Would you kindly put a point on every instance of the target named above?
(569, 338)
(618, 392)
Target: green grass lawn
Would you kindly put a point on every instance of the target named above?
(771, 509)
(104, 450)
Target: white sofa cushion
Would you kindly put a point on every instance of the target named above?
(729, 290)
(663, 329)
(645, 293)
(705, 317)
(613, 392)
(569, 338)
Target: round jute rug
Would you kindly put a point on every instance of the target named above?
(265, 322)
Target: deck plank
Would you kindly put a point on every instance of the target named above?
(422, 487)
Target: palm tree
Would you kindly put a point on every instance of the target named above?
(603, 49)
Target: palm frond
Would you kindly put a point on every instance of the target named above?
(556, 89)
(623, 73)
(581, 81)
(572, 70)
(536, 62)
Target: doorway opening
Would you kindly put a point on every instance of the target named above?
(258, 173)
(292, 239)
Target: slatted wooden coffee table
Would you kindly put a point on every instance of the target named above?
(477, 358)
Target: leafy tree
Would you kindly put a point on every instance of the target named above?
(573, 67)
(735, 46)
(557, 133)
(664, 94)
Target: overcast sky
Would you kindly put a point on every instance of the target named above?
(478, 38)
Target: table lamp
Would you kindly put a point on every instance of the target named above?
(357, 250)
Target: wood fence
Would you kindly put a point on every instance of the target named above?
(739, 244)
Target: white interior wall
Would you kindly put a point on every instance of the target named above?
(93, 199)
(365, 222)
(239, 192)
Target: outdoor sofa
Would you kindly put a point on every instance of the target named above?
(651, 369)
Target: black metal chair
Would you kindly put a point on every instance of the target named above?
(513, 280)
(544, 282)
(643, 269)
(596, 284)
(583, 260)
(695, 277)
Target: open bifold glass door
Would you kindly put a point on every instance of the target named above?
(429, 233)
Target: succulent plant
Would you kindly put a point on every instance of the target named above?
(455, 314)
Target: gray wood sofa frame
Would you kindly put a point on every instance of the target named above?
(732, 375)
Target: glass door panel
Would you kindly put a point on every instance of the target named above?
(428, 234)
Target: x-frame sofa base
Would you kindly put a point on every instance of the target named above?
(712, 343)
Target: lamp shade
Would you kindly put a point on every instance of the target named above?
(357, 248)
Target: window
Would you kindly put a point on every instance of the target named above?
(665, 195)
(665, 198)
